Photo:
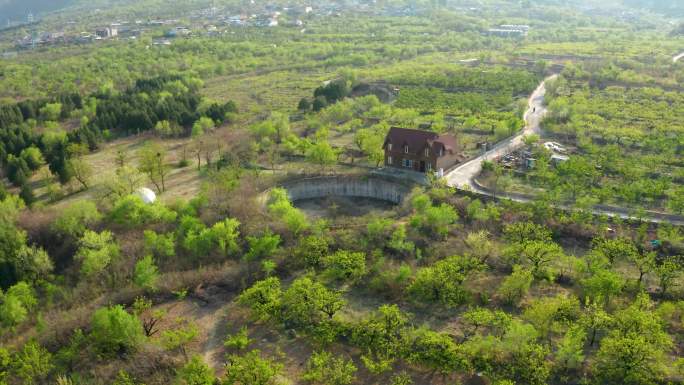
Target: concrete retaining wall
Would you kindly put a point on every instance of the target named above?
(347, 186)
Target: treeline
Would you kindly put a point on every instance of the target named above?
(171, 99)
(459, 78)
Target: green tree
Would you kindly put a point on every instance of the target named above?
(12, 239)
(477, 319)
(602, 285)
(195, 372)
(443, 282)
(520, 232)
(595, 320)
(27, 195)
(251, 369)
(33, 264)
(122, 378)
(76, 218)
(51, 111)
(644, 262)
(78, 165)
(226, 234)
(345, 265)
(552, 314)
(516, 286)
(127, 181)
(263, 298)
(151, 163)
(304, 104)
(115, 331)
(437, 351)
(667, 272)
(480, 245)
(201, 126)
(16, 304)
(629, 360)
(324, 369)
(435, 220)
(614, 249)
(510, 354)
(570, 351)
(33, 157)
(305, 303)
(322, 154)
(238, 341)
(5, 361)
(32, 364)
(164, 128)
(311, 250)
(634, 351)
(96, 251)
(159, 245)
(262, 247)
(281, 207)
(179, 338)
(536, 254)
(146, 273)
(130, 211)
(401, 379)
(383, 336)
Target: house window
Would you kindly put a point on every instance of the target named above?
(427, 152)
(389, 160)
(429, 166)
(408, 163)
(389, 146)
(406, 149)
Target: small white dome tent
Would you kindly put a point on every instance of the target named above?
(148, 196)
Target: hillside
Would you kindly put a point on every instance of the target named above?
(390, 192)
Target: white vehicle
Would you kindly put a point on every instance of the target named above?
(555, 147)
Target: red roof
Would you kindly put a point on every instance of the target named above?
(418, 140)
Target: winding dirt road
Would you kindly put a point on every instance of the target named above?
(676, 58)
(462, 176)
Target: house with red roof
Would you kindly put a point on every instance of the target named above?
(421, 151)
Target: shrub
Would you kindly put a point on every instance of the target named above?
(442, 282)
(251, 369)
(76, 218)
(159, 245)
(515, 287)
(322, 368)
(345, 265)
(131, 211)
(96, 251)
(115, 331)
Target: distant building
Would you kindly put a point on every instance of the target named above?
(525, 28)
(421, 151)
(510, 30)
(106, 32)
(29, 18)
(557, 159)
(507, 32)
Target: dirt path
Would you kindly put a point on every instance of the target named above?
(676, 58)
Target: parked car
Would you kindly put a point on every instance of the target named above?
(555, 147)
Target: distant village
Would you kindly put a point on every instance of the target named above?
(205, 22)
(212, 22)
